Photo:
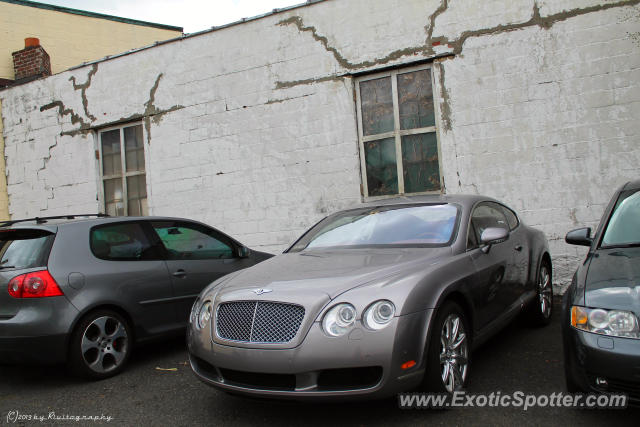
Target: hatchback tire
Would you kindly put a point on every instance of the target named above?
(100, 345)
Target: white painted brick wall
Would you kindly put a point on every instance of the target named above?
(260, 139)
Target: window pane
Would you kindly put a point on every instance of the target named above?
(134, 148)
(185, 242)
(420, 163)
(137, 195)
(512, 219)
(382, 172)
(122, 242)
(415, 101)
(624, 225)
(113, 198)
(111, 160)
(488, 215)
(377, 106)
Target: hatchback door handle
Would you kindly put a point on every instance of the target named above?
(179, 273)
(518, 248)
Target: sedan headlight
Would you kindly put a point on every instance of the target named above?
(379, 314)
(339, 320)
(205, 315)
(617, 323)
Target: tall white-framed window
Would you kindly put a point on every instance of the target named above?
(122, 170)
(399, 149)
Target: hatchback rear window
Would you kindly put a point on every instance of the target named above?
(24, 248)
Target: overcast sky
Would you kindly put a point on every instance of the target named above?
(192, 15)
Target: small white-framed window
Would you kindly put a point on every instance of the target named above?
(122, 171)
(399, 149)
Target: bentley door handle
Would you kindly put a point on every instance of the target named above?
(518, 248)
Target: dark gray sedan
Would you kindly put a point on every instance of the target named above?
(373, 301)
(85, 289)
(601, 330)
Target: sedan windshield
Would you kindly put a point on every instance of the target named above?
(401, 226)
(624, 226)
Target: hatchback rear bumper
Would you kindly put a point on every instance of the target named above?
(49, 349)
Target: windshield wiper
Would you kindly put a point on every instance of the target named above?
(7, 266)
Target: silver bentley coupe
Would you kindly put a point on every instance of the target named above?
(387, 297)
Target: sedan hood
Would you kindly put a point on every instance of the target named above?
(613, 280)
(331, 272)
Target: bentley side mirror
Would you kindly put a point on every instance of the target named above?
(243, 252)
(579, 236)
(493, 235)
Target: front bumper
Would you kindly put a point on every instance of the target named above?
(361, 364)
(591, 358)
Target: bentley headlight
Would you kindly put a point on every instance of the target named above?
(195, 308)
(205, 314)
(617, 323)
(339, 320)
(379, 314)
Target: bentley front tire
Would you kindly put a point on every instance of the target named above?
(448, 351)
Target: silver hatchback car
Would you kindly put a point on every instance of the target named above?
(373, 301)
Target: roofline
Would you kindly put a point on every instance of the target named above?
(198, 33)
(93, 14)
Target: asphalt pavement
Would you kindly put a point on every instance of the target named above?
(517, 359)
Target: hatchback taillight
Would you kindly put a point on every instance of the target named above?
(37, 284)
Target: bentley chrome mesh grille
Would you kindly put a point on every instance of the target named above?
(258, 321)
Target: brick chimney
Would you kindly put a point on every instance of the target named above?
(31, 62)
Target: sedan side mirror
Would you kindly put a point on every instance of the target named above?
(243, 252)
(580, 236)
(493, 235)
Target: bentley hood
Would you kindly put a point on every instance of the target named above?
(330, 272)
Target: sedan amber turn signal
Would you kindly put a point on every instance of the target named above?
(409, 364)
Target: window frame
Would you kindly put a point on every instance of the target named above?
(397, 133)
(124, 174)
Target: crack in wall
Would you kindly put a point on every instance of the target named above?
(331, 78)
(536, 20)
(83, 90)
(427, 48)
(64, 111)
(396, 54)
(278, 101)
(445, 105)
(151, 112)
